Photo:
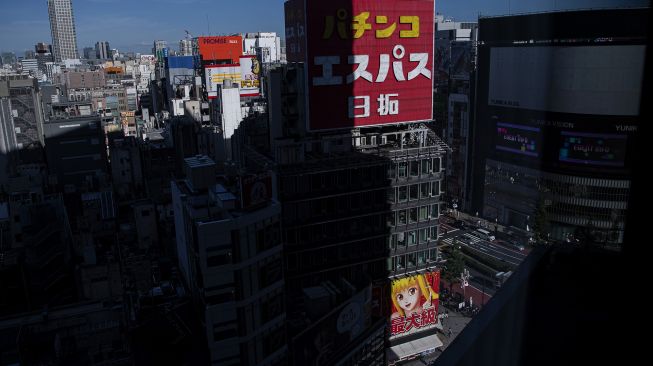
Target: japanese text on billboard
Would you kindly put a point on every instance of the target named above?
(369, 62)
(414, 303)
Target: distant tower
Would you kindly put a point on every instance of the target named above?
(102, 50)
(186, 47)
(62, 26)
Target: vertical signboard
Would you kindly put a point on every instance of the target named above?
(415, 302)
(295, 16)
(250, 71)
(368, 62)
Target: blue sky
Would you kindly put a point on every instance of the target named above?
(134, 24)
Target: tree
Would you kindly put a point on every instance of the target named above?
(455, 265)
(541, 227)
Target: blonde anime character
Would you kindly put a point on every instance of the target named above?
(412, 295)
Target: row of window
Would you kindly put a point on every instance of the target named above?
(413, 192)
(415, 168)
(414, 215)
(412, 260)
(411, 238)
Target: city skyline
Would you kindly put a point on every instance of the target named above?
(168, 21)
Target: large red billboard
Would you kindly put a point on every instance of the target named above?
(415, 302)
(220, 48)
(369, 62)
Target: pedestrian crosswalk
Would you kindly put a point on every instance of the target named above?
(465, 238)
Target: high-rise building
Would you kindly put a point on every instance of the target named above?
(62, 26)
(102, 50)
(455, 48)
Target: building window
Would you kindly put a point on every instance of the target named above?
(403, 169)
(433, 233)
(403, 193)
(426, 166)
(436, 165)
(392, 218)
(401, 262)
(424, 213)
(412, 238)
(435, 189)
(402, 217)
(414, 192)
(433, 255)
(423, 235)
(421, 258)
(401, 240)
(424, 190)
(412, 259)
(412, 217)
(435, 211)
(414, 168)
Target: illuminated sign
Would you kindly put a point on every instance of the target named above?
(368, 62)
(415, 302)
(518, 139)
(593, 149)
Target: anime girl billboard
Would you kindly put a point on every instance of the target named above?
(414, 303)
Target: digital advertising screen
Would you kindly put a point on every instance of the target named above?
(414, 302)
(593, 149)
(517, 139)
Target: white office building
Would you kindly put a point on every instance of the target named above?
(62, 26)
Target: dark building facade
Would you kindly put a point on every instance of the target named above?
(75, 146)
(556, 111)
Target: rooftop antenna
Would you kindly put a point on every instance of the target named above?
(208, 27)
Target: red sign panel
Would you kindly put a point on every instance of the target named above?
(369, 62)
(222, 48)
(415, 302)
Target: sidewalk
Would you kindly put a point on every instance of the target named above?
(456, 322)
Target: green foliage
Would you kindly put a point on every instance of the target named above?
(455, 264)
